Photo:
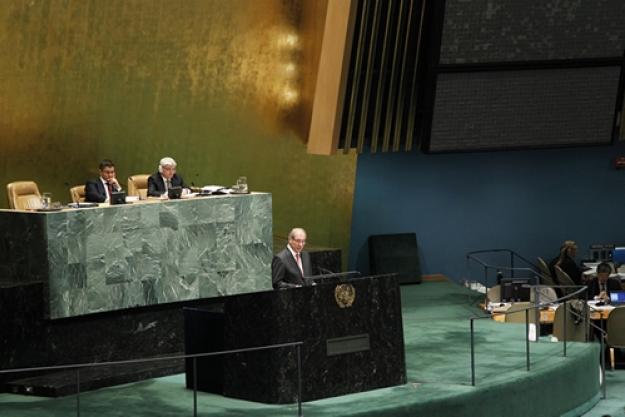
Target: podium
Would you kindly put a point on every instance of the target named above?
(351, 330)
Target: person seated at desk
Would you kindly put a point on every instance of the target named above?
(292, 264)
(100, 190)
(566, 261)
(160, 182)
(601, 285)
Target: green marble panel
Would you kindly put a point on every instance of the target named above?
(149, 253)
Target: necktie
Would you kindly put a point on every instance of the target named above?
(110, 189)
(168, 185)
(298, 258)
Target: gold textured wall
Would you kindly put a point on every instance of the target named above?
(224, 87)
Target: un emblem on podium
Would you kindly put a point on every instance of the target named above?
(344, 294)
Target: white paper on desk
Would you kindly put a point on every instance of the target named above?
(498, 307)
(212, 188)
(602, 308)
(477, 286)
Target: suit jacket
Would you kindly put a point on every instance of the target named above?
(284, 270)
(95, 191)
(156, 185)
(612, 284)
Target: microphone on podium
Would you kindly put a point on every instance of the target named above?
(326, 274)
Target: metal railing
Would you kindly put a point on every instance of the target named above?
(472, 257)
(195, 356)
(564, 300)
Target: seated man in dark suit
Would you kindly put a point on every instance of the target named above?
(160, 182)
(100, 190)
(602, 284)
(291, 265)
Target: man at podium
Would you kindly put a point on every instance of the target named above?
(292, 264)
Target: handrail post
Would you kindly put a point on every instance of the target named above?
(527, 338)
(77, 392)
(603, 388)
(299, 381)
(566, 313)
(486, 284)
(586, 316)
(472, 355)
(194, 386)
(537, 312)
(486, 277)
(512, 263)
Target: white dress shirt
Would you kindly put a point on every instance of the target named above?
(298, 259)
(106, 189)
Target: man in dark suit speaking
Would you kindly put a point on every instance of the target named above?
(166, 178)
(100, 190)
(291, 265)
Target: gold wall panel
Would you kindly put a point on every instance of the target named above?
(224, 87)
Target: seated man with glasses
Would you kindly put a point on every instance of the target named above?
(166, 178)
(601, 285)
(100, 190)
(292, 264)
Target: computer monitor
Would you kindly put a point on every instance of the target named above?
(174, 192)
(618, 255)
(118, 197)
(516, 289)
(617, 297)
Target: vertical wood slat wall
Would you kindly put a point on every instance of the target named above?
(373, 100)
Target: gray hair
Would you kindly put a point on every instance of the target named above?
(167, 161)
(295, 230)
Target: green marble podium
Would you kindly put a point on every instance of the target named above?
(110, 258)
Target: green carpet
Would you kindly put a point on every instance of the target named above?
(436, 331)
(614, 404)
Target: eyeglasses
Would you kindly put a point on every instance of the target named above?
(302, 241)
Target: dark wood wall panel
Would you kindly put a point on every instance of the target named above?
(381, 85)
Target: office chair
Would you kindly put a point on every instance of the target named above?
(615, 328)
(516, 313)
(545, 273)
(545, 295)
(23, 195)
(577, 321)
(563, 278)
(77, 194)
(494, 294)
(138, 185)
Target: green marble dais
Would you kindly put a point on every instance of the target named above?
(143, 254)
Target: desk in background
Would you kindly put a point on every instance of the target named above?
(547, 315)
(110, 258)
